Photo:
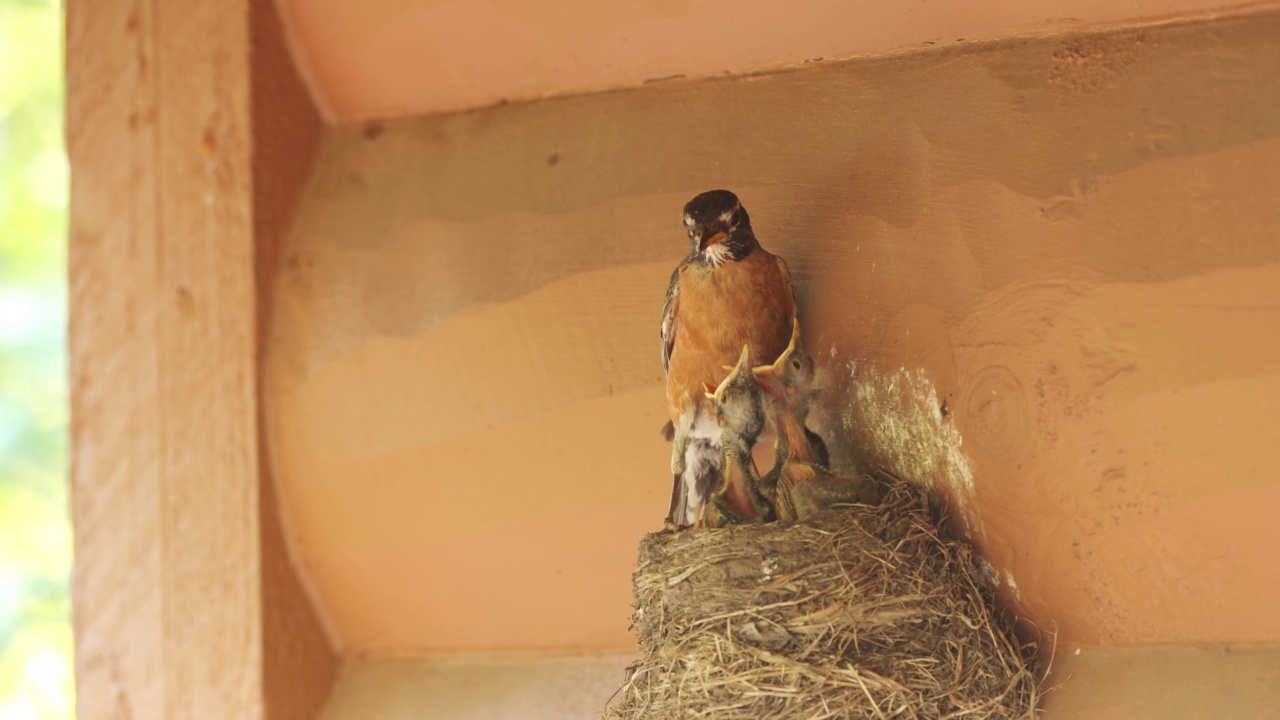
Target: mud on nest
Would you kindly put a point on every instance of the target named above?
(860, 612)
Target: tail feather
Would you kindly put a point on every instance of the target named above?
(677, 510)
(669, 431)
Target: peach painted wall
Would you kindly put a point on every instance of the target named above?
(395, 58)
(1072, 241)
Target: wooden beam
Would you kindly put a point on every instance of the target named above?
(170, 594)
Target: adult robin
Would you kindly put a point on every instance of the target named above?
(728, 292)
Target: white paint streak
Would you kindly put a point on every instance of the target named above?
(988, 570)
(898, 415)
(1013, 584)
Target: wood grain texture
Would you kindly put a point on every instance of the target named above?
(176, 570)
(165, 475)
(116, 505)
(1040, 274)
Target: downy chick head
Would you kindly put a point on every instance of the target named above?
(790, 383)
(738, 406)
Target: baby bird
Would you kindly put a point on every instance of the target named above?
(798, 383)
(740, 415)
(803, 486)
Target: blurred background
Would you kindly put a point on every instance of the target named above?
(35, 531)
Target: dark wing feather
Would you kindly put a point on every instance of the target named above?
(668, 332)
(786, 273)
(670, 316)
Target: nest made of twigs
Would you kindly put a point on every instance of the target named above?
(860, 612)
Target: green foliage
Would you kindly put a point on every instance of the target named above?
(35, 535)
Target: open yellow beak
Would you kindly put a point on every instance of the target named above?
(743, 359)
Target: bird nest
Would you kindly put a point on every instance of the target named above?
(858, 612)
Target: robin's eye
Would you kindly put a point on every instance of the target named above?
(795, 363)
(737, 218)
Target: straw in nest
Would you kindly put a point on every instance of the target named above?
(860, 612)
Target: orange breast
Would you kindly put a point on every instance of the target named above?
(749, 301)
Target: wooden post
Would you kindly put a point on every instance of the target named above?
(181, 584)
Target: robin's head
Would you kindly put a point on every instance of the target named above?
(718, 226)
(790, 383)
(737, 402)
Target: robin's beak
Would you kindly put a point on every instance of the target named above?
(709, 240)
